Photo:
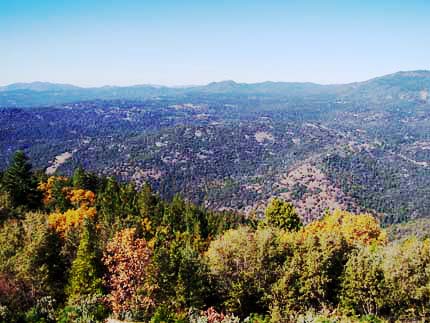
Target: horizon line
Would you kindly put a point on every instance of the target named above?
(190, 85)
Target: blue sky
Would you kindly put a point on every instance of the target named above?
(92, 43)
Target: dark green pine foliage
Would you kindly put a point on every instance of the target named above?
(20, 184)
(173, 216)
(85, 180)
(182, 277)
(192, 284)
(85, 278)
(150, 205)
(109, 202)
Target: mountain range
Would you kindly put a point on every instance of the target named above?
(401, 85)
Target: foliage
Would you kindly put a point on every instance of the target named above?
(128, 262)
(281, 214)
(85, 277)
(42, 312)
(19, 183)
(244, 264)
(364, 289)
(83, 202)
(89, 309)
(181, 275)
(407, 273)
(361, 229)
(99, 248)
(312, 275)
(211, 316)
(54, 192)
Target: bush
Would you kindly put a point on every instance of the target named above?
(211, 316)
(42, 312)
(90, 309)
(164, 315)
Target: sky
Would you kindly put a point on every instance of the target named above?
(183, 42)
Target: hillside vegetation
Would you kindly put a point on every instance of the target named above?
(84, 248)
(363, 147)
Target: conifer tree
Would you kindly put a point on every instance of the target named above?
(78, 178)
(84, 277)
(19, 183)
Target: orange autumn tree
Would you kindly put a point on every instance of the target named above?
(128, 262)
(48, 187)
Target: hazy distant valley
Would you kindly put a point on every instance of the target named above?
(361, 147)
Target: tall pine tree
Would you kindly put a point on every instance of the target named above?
(85, 278)
(19, 182)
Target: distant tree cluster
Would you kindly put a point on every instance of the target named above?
(85, 248)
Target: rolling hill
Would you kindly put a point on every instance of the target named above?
(362, 146)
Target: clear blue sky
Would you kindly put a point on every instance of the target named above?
(101, 42)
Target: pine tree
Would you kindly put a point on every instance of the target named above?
(85, 180)
(19, 183)
(78, 178)
(84, 277)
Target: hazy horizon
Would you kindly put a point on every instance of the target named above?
(202, 84)
(193, 43)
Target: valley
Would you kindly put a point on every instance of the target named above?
(230, 146)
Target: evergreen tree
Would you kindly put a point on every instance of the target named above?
(84, 277)
(78, 179)
(174, 215)
(85, 180)
(19, 183)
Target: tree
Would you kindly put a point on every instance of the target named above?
(19, 183)
(244, 264)
(128, 262)
(282, 214)
(357, 229)
(174, 215)
(83, 201)
(55, 190)
(181, 278)
(85, 180)
(39, 263)
(311, 276)
(364, 287)
(407, 273)
(108, 206)
(85, 278)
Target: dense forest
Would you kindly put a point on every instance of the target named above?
(362, 147)
(83, 248)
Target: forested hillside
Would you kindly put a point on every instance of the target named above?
(84, 248)
(363, 147)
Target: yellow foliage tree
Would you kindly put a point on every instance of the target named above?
(357, 229)
(83, 201)
(47, 188)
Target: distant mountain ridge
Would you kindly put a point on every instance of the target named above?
(39, 87)
(400, 85)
